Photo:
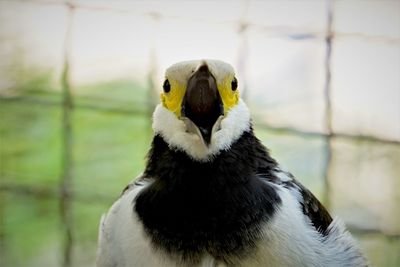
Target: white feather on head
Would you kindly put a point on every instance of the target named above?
(174, 130)
(182, 71)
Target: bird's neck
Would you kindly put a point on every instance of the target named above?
(237, 165)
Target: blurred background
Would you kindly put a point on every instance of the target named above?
(79, 81)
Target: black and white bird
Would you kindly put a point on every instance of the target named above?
(211, 194)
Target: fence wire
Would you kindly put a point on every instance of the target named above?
(65, 192)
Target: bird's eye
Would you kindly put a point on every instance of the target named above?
(166, 86)
(234, 84)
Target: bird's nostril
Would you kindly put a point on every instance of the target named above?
(203, 68)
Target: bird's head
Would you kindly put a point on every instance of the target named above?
(201, 111)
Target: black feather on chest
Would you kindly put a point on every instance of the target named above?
(215, 207)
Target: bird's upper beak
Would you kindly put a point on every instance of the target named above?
(202, 108)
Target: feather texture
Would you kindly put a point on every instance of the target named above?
(238, 210)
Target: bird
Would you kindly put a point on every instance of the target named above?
(211, 194)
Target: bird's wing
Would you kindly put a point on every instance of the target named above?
(311, 207)
(293, 237)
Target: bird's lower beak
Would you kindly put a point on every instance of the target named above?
(202, 104)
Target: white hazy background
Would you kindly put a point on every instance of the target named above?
(284, 51)
(279, 50)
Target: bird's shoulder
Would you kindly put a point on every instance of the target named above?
(139, 182)
(123, 205)
(120, 228)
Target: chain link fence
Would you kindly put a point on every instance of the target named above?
(69, 105)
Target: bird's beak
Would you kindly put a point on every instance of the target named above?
(202, 108)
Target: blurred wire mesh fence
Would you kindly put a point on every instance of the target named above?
(363, 152)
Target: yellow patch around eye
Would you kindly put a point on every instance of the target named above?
(229, 98)
(173, 99)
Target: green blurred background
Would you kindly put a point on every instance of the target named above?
(75, 116)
